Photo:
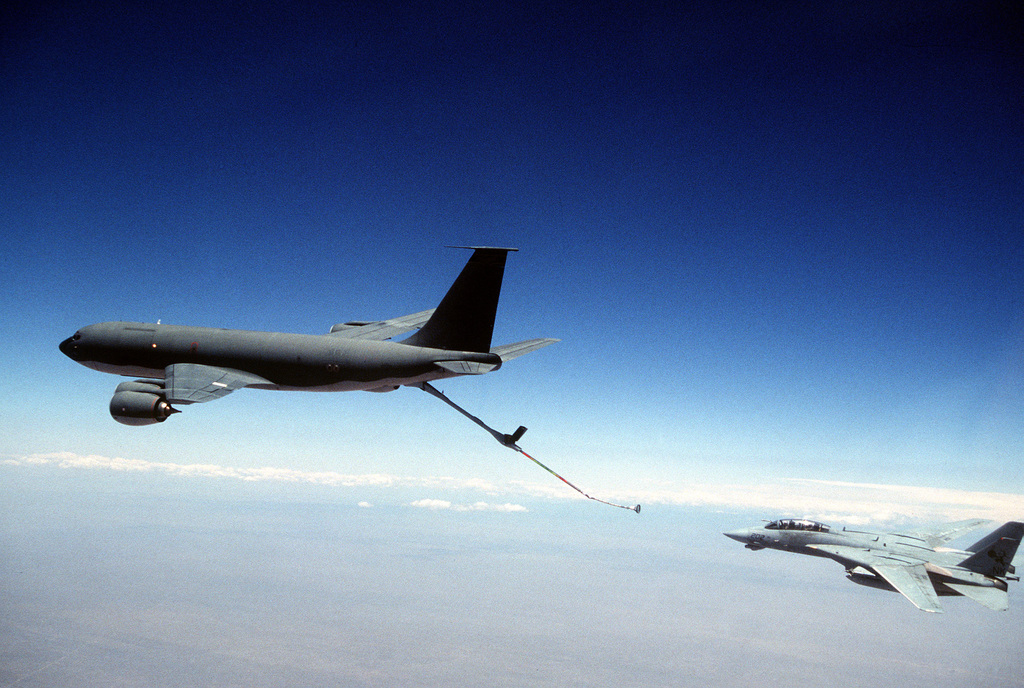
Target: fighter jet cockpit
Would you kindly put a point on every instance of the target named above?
(797, 524)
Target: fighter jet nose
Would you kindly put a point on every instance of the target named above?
(738, 535)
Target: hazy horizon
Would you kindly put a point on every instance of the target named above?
(128, 578)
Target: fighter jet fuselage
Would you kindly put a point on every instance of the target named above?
(913, 564)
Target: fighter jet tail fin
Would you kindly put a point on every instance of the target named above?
(464, 320)
(993, 554)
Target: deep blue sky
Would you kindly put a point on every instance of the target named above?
(782, 244)
(776, 239)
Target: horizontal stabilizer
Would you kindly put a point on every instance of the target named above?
(510, 351)
(382, 329)
(993, 598)
(466, 367)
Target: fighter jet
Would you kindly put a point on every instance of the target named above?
(182, 365)
(915, 565)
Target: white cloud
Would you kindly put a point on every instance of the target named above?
(438, 504)
(365, 505)
(432, 504)
(268, 473)
(502, 507)
(835, 501)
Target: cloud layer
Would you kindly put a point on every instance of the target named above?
(439, 504)
(331, 478)
(841, 502)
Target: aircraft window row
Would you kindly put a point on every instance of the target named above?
(797, 524)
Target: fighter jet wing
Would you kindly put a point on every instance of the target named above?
(381, 329)
(510, 351)
(860, 556)
(191, 383)
(907, 574)
(951, 531)
(913, 583)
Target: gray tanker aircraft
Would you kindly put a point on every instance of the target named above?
(188, 365)
(913, 564)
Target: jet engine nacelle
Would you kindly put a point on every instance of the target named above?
(869, 580)
(140, 403)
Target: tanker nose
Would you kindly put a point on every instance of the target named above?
(69, 347)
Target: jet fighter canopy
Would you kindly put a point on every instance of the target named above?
(797, 524)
